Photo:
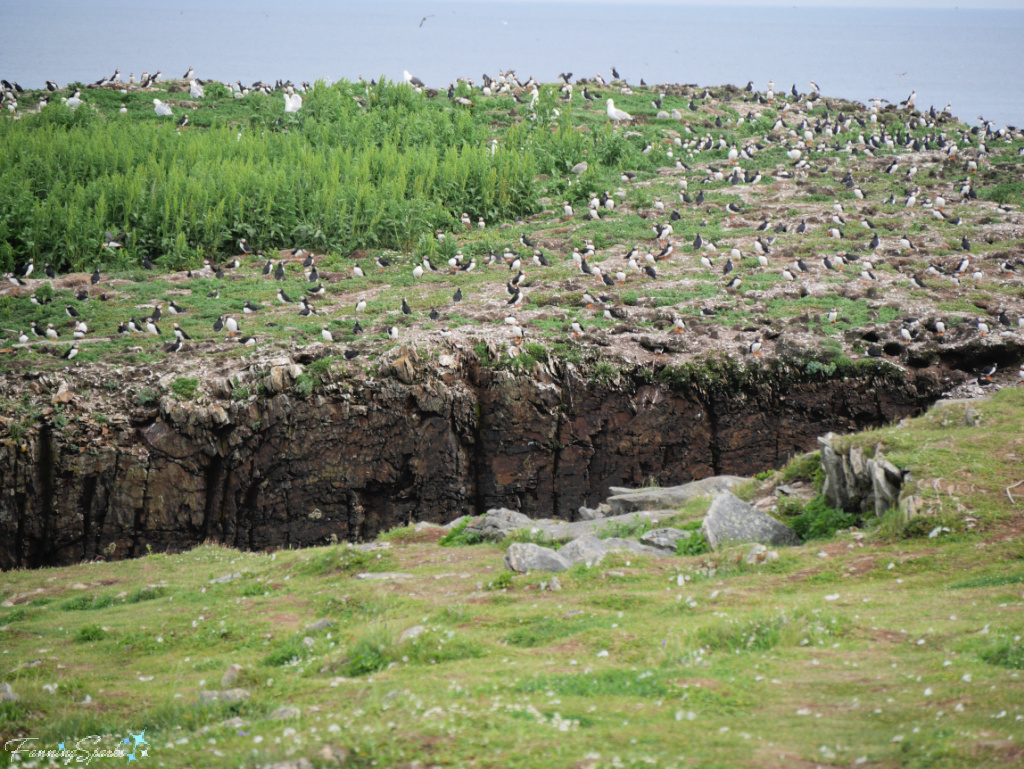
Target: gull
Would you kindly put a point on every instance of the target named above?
(161, 109)
(292, 102)
(195, 90)
(415, 82)
(424, 19)
(617, 115)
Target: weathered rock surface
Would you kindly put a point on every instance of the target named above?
(522, 557)
(731, 521)
(664, 539)
(7, 694)
(368, 454)
(498, 524)
(591, 550)
(670, 498)
(857, 483)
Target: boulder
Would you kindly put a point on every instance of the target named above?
(672, 497)
(284, 713)
(452, 524)
(732, 521)
(499, 523)
(664, 539)
(410, 633)
(7, 694)
(591, 550)
(526, 556)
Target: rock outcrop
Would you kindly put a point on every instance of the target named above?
(731, 521)
(363, 454)
(856, 482)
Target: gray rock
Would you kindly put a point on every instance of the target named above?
(731, 521)
(234, 695)
(587, 514)
(425, 526)
(208, 697)
(587, 549)
(230, 676)
(285, 712)
(410, 633)
(591, 550)
(226, 578)
(7, 694)
(499, 523)
(672, 497)
(615, 544)
(663, 115)
(234, 723)
(320, 624)
(834, 487)
(452, 524)
(886, 482)
(526, 556)
(664, 539)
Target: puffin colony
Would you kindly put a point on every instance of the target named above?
(700, 221)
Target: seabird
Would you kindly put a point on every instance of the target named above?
(283, 298)
(326, 334)
(51, 332)
(162, 109)
(180, 333)
(617, 115)
(71, 352)
(393, 333)
(457, 296)
(172, 347)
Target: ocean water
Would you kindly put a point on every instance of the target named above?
(970, 58)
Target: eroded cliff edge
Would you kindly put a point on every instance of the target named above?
(111, 469)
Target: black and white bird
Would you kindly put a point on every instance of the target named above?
(283, 298)
(72, 351)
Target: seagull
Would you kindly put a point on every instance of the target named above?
(162, 109)
(415, 82)
(424, 19)
(292, 102)
(617, 115)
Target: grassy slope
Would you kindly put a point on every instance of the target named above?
(863, 650)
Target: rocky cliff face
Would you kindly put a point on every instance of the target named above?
(430, 439)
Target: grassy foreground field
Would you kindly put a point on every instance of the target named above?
(879, 647)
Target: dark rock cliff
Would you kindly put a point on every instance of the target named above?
(429, 441)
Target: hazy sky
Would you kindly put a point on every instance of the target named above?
(960, 4)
